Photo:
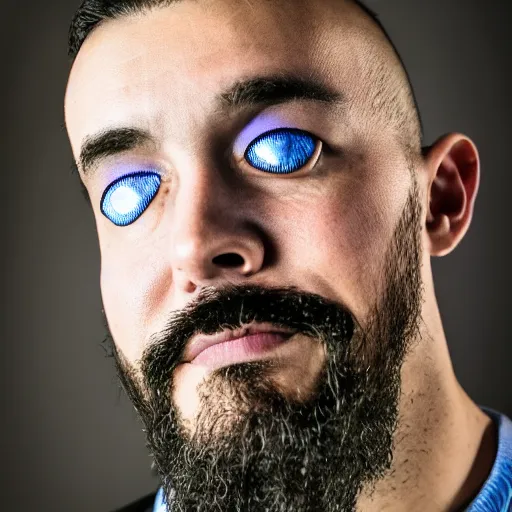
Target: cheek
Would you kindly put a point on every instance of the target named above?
(347, 233)
(132, 282)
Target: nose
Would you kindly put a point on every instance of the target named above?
(214, 239)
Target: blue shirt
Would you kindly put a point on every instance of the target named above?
(496, 493)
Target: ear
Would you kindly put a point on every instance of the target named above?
(453, 168)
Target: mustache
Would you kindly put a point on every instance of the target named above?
(232, 307)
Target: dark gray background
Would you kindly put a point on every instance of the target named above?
(70, 440)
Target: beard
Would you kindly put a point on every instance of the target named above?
(254, 449)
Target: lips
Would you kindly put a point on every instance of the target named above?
(248, 343)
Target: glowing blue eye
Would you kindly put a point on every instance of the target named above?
(281, 151)
(126, 199)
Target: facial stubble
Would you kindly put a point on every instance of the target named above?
(253, 449)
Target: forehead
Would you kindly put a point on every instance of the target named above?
(165, 66)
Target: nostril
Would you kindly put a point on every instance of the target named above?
(229, 260)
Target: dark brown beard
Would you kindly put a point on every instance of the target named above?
(255, 450)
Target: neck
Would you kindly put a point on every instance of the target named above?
(444, 446)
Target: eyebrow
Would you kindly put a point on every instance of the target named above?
(110, 142)
(277, 89)
(250, 93)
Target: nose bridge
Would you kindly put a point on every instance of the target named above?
(196, 214)
(211, 237)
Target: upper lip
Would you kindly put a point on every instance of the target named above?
(201, 342)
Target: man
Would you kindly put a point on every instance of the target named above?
(266, 216)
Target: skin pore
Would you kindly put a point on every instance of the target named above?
(325, 230)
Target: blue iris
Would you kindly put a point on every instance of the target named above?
(126, 199)
(281, 151)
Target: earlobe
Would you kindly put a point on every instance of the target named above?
(453, 168)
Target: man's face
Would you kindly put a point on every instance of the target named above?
(244, 205)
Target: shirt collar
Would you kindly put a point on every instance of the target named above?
(496, 493)
(160, 505)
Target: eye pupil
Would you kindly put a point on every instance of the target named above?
(265, 153)
(281, 151)
(126, 199)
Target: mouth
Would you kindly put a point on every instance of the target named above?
(249, 343)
